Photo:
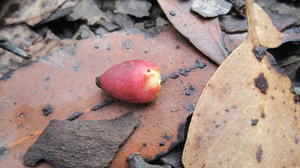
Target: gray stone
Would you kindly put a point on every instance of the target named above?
(211, 8)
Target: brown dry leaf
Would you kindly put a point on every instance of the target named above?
(86, 144)
(234, 124)
(31, 12)
(204, 34)
(232, 41)
(65, 80)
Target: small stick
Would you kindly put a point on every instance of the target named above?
(24, 139)
(9, 46)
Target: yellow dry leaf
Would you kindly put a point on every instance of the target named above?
(235, 125)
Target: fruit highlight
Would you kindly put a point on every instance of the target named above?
(135, 81)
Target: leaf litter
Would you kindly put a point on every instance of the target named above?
(65, 21)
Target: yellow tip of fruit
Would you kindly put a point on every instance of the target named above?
(153, 79)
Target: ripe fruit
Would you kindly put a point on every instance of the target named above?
(134, 81)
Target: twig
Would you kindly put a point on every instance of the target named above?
(9, 46)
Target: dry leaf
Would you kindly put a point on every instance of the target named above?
(136, 161)
(89, 143)
(65, 79)
(233, 24)
(83, 32)
(137, 8)
(31, 12)
(87, 10)
(21, 35)
(205, 35)
(235, 124)
(286, 9)
(232, 41)
(64, 10)
(26, 39)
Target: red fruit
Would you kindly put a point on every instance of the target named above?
(134, 81)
